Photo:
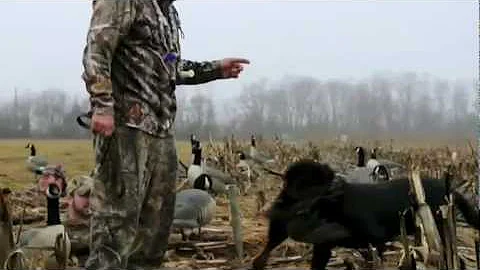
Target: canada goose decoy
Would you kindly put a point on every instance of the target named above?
(256, 155)
(245, 169)
(214, 185)
(194, 208)
(392, 167)
(373, 162)
(360, 174)
(34, 163)
(54, 235)
(198, 168)
(243, 165)
(380, 174)
(193, 143)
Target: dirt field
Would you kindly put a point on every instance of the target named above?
(77, 157)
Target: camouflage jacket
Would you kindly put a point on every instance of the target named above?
(78, 232)
(132, 62)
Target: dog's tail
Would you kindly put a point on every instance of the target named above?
(468, 210)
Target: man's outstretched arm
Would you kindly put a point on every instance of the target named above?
(207, 71)
(203, 72)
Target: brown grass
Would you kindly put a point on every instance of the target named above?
(77, 155)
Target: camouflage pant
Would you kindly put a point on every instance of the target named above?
(133, 199)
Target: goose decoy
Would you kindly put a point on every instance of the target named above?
(394, 168)
(360, 174)
(257, 156)
(245, 168)
(243, 165)
(196, 167)
(194, 208)
(219, 178)
(210, 184)
(34, 163)
(380, 174)
(373, 162)
(193, 143)
(54, 234)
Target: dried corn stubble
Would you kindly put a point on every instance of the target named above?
(341, 157)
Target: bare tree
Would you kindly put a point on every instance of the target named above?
(48, 110)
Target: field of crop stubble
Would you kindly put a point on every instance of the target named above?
(77, 157)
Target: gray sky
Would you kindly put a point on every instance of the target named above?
(42, 41)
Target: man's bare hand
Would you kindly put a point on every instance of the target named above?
(232, 67)
(102, 124)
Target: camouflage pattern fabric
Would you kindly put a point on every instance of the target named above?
(57, 171)
(79, 233)
(81, 185)
(131, 61)
(79, 229)
(133, 199)
(132, 64)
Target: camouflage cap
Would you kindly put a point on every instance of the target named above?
(58, 171)
(81, 185)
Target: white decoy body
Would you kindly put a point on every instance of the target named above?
(194, 208)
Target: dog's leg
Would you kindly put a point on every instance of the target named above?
(277, 233)
(370, 228)
(321, 256)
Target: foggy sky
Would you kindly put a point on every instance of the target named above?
(42, 41)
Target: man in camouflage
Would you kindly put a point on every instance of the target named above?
(77, 216)
(132, 64)
(76, 193)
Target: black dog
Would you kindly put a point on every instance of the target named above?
(313, 208)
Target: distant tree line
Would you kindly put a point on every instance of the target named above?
(382, 106)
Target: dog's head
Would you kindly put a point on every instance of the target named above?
(307, 177)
